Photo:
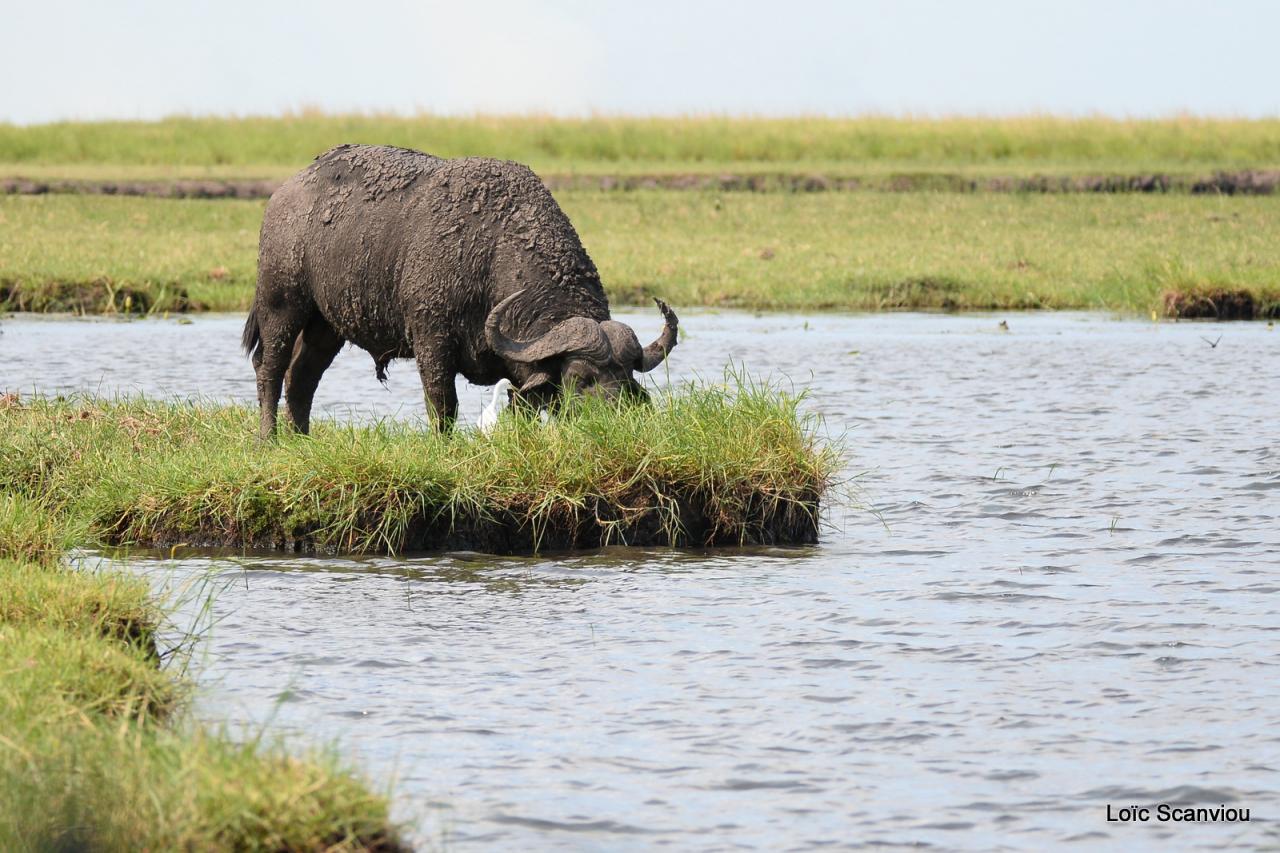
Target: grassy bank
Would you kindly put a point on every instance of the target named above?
(94, 254)
(866, 251)
(709, 466)
(871, 145)
(95, 751)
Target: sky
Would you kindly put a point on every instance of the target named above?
(131, 59)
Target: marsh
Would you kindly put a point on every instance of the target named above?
(1071, 565)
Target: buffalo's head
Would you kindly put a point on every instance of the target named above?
(591, 356)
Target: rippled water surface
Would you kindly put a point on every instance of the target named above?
(1069, 599)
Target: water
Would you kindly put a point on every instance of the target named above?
(1068, 600)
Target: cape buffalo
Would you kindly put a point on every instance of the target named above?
(467, 266)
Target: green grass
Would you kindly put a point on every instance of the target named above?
(708, 465)
(77, 779)
(100, 604)
(1013, 145)
(849, 251)
(95, 751)
(126, 253)
(873, 251)
(29, 534)
(37, 591)
(879, 251)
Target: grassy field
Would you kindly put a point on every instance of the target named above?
(96, 253)
(95, 751)
(852, 251)
(1174, 253)
(709, 466)
(275, 146)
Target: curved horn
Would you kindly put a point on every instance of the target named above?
(655, 352)
(501, 344)
(581, 335)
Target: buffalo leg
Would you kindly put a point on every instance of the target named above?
(438, 387)
(312, 354)
(280, 330)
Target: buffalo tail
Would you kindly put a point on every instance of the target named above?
(252, 336)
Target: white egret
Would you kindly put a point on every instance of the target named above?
(489, 417)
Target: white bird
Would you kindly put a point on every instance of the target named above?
(489, 417)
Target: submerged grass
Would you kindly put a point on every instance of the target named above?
(706, 466)
(94, 752)
(865, 251)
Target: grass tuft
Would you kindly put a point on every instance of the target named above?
(85, 775)
(94, 753)
(29, 533)
(55, 675)
(704, 465)
(98, 604)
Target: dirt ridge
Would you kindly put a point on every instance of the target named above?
(1240, 182)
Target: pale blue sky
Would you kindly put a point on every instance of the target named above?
(150, 58)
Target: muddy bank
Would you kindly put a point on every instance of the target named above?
(99, 296)
(1248, 182)
(502, 531)
(1219, 304)
(690, 471)
(1243, 182)
(156, 189)
(102, 296)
